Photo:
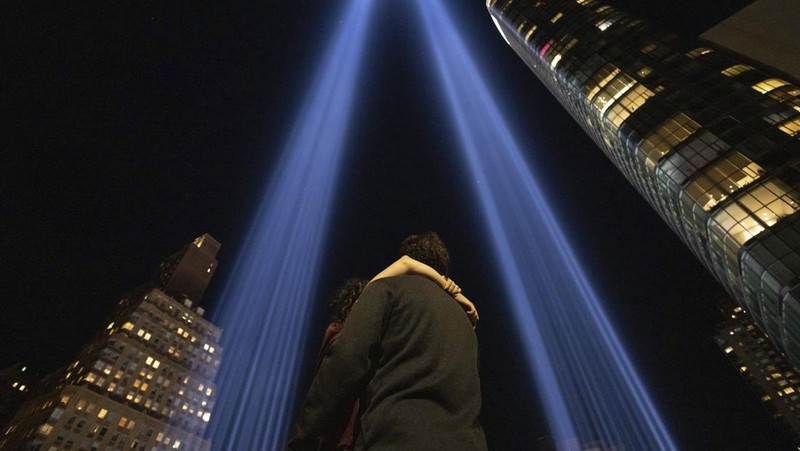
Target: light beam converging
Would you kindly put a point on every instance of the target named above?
(264, 307)
(588, 386)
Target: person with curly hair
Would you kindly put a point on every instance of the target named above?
(407, 353)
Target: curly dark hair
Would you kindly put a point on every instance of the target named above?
(345, 297)
(427, 248)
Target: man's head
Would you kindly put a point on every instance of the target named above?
(345, 297)
(427, 248)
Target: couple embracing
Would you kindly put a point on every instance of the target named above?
(398, 369)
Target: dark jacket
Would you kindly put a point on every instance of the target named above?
(409, 351)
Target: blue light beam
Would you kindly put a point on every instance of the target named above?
(589, 389)
(264, 308)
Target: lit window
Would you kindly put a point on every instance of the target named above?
(122, 422)
(557, 17)
(147, 336)
(556, 60)
(788, 390)
(699, 52)
(669, 134)
(736, 70)
(102, 413)
(15, 385)
(90, 377)
(128, 326)
(760, 206)
(140, 332)
(131, 424)
(207, 416)
(728, 350)
(604, 24)
(530, 32)
(645, 71)
(109, 327)
(46, 429)
(81, 404)
(766, 398)
(628, 104)
(791, 128)
(769, 84)
(160, 436)
(21, 388)
(156, 363)
(177, 444)
(743, 369)
(599, 80)
(149, 361)
(723, 178)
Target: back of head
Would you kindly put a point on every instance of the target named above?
(427, 248)
(345, 298)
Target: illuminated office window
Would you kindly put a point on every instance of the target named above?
(557, 17)
(722, 179)
(736, 70)
(645, 71)
(628, 104)
(769, 84)
(599, 80)
(669, 134)
(699, 52)
(791, 128)
(754, 210)
(604, 24)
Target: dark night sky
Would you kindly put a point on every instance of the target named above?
(128, 128)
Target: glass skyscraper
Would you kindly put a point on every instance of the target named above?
(709, 140)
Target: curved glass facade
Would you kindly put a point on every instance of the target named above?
(711, 142)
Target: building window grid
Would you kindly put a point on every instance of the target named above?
(669, 134)
(746, 216)
(721, 179)
(634, 99)
(612, 90)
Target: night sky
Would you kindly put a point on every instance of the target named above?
(127, 128)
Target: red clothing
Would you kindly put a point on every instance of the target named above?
(340, 435)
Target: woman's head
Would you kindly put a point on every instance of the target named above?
(346, 296)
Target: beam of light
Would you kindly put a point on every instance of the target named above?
(589, 389)
(265, 305)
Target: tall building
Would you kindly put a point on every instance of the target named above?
(186, 274)
(710, 141)
(771, 376)
(145, 382)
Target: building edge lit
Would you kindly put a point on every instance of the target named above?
(144, 382)
(709, 141)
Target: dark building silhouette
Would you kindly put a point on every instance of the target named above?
(145, 382)
(186, 274)
(767, 371)
(18, 383)
(712, 142)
